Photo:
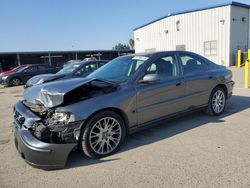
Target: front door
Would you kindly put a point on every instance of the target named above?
(162, 98)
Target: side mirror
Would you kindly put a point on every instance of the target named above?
(25, 71)
(150, 78)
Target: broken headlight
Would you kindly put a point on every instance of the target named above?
(62, 117)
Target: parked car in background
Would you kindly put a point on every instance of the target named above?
(70, 62)
(13, 70)
(25, 73)
(126, 95)
(73, 70)
(89, 58)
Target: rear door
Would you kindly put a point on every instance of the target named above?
(198, 79)
(162, 98)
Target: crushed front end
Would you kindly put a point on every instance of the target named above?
(45, 133)
(44, 137)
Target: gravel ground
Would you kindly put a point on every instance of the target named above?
(194, 151)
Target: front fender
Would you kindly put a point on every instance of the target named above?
(124, 100)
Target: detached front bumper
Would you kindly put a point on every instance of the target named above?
(35, 152)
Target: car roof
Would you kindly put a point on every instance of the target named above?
(38, 65)
(149, 54)
(85, 62)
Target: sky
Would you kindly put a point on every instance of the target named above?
(47, 25)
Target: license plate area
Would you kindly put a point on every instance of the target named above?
(18, 118)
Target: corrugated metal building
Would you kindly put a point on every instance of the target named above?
(214, 32)
(9, 60)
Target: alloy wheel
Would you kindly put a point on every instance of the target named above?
(105, 135)
(15, 82)
(218, 101)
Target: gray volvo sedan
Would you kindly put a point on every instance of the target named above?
(126, 95)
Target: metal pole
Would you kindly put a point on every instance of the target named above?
(49, 58)
(99, 56)
(76, 56)
(18, 59)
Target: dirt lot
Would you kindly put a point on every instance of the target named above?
(193, 151)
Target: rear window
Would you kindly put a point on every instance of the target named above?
(193, 64)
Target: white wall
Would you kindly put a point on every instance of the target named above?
(239, 29)
(195, 28)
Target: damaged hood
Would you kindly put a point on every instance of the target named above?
(39, 79)
(52, 94)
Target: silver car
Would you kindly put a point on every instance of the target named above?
(127, 94)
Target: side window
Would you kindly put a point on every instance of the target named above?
(31, 69)
(87, 69)
(41, 68)
(192, 64)
(165, 67)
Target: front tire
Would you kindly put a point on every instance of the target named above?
(15, 82)
(217, 102)
(102, 135)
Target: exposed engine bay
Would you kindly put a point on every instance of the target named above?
(92, 89)
(55, 127)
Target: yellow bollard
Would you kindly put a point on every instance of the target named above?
(239, 58)
(248, 54)
(247, 74)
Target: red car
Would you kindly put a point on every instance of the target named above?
(13, 70)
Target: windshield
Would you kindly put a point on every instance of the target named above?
(119, 69)
(69, 69)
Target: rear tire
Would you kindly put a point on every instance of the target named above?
(217, 102)
(15, 82)
(102, 135)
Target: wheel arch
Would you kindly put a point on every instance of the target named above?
(224, 87)
(120, 112)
